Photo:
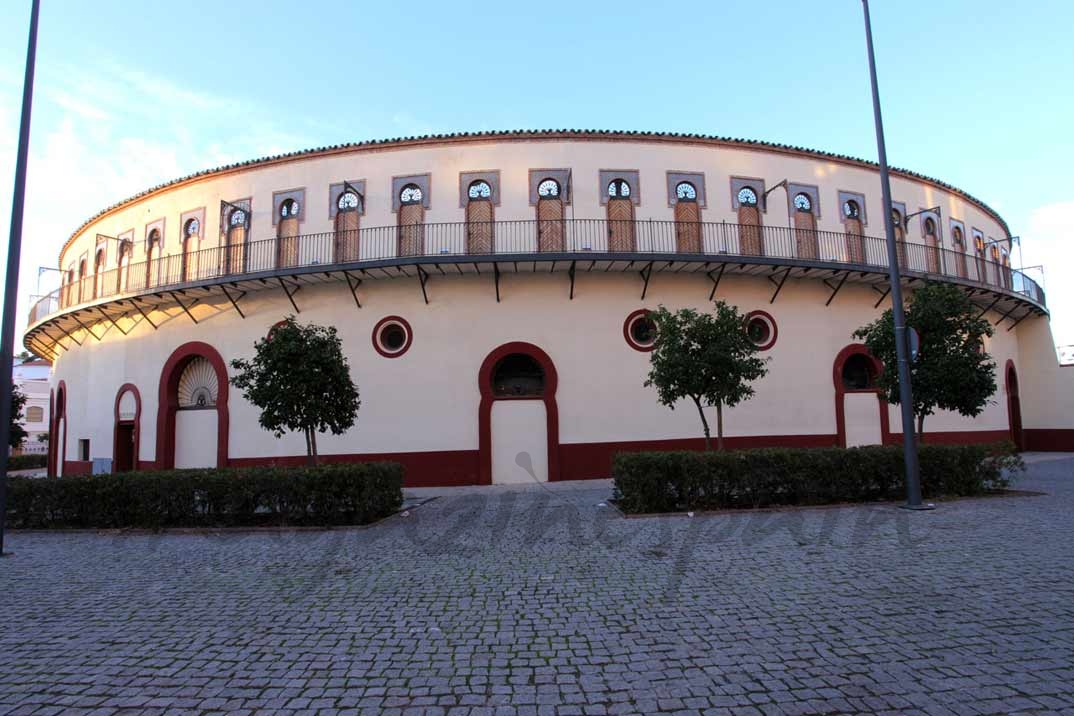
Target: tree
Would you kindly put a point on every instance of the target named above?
(708, 358)
(952, 371)
(18, 433)
(300, 379)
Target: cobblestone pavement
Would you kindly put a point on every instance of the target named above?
(539, 601)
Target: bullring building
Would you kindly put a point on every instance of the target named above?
(491, 291)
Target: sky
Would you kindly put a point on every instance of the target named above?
(978, 93)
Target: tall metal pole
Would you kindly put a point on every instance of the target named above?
(902, 348)
(14, 249)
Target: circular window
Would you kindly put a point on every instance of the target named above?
(802, 202)
(411, 194)
(392, 337)
(640, 331)
(480, 190)
(348, 201)
(685, 191)
(761, 329)
(851, 210)
(547, 189)
(747, 196)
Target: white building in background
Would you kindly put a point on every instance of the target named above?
(1066, 355)
(491, 292)
(31, 378)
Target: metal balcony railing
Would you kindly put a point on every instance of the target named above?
(591, 238)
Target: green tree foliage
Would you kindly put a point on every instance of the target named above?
(705, 357)
(952, 370)
(300, 379)
(18, 433)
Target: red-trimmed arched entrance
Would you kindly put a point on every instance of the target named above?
(168, 401)
(843, 386)
(1014, 405)
(57, 432)
(126, 431)
(489, 396)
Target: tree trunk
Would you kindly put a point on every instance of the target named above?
(719, 426)
(920, 429)
(704, 423)
(309, 448)
(313, 446)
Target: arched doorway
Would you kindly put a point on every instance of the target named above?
(1014, 406)
(518, 422)
(620, 216)
(127, 431)
(861, 414)
(687, 219)
(58, 432)
(192, 412)
(805, 227)
(550, 229)
(479, 218)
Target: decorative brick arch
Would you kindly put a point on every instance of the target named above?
(57, 443)
(1014, 404)
(133, 390)
(484, 424)
(841, 390)
(168, 402)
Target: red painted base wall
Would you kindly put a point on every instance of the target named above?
(1049, 440)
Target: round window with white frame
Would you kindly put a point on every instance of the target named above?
(802, 202)
(237, 218)
(548, 189)
(392, 337)
(618, 189)
(747, 196)
(348, 201)
(480, 190)
(685, 191)
(851, 210)
(289, 209)
(193, 226)
(761, 329)
(410, 194)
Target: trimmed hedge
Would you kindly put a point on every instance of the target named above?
(27, 462)
(673, 481)
(338, 494)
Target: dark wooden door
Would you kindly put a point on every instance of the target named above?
(687, 227)
(124, 459)
(550, 224)
(621, 226)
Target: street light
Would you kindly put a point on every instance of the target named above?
(14, 249)
(909, 441)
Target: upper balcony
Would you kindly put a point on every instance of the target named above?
(571, 245)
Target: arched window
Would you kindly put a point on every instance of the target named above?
(854, 232)
(620, 217)
(479, 218)
(70, 290)
(932, 246)
(859, 373)
(750, 239)
(287, 233)
(550, 227)
(1005, 264)
(348, 212)
(238, 221)
(959, 240)
(687, 219)
(199, 386)
(411, 221)
(152, 258)
(98, 273)
(518, 375)
(981, 263)
(900, 237)
(805, 227)
(191, 240)
(123, 263)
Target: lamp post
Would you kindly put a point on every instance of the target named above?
(14, 249)
(902, 348)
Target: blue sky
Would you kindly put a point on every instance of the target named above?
(975, 92)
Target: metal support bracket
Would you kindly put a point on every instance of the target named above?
(570, 272)
(496, 280)
(423, 277)
(353, 282)
(716, 281)
(835, 289)
(646, 273)
(1024, 315)
(779, 285)
(111, 320)
(135, 304)
(64, 332)
(186, 309)
(883, 295)
(1004, 316)
(85, 327)
(235, 300)
(990, 306)
(290, 294)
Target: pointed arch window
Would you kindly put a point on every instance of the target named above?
(348, 214)
(479, 218)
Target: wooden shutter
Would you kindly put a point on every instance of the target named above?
(687, 227)
(346, 243)
(287, 242)
(855, 242)
(805, 234)
(620, 226)
(750, 240)
(550, 224)
(479, 227)
(411, 230)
